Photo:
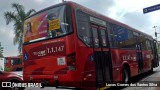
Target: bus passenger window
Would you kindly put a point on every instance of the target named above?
(95, 37)
(103, 37)
(142, 41)
(121, 37)
(148, 42)
(83, 28)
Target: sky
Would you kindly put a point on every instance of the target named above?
(129, 12)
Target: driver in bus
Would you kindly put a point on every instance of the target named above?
(57, 32)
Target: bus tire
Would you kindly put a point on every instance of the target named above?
(151, 71)
(125, 76)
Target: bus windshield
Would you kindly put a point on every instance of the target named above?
(49, 23)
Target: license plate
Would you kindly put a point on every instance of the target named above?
(61, 61)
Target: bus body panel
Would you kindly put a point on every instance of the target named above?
(41, 67)
(121, 56)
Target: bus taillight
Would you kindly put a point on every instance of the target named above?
(71, 62)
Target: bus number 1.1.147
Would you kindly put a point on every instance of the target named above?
(55, 49)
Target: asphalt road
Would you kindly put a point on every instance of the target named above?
(148, 79)
(143, 78)
(46, 88)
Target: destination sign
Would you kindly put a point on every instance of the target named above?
(98, 21)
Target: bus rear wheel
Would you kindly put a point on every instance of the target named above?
(125, 76)
(151, 70)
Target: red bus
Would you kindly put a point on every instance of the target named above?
(68, 44)
(13, 63)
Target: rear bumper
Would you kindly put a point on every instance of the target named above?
(61, 81)
(53, 80)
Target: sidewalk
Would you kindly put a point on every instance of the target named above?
(153, 78)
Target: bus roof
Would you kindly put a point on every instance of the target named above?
(49, 8)
(90, 11)
(103, 17)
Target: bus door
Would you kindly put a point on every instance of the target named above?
(139, 54)
(101, 54)
(155, 54)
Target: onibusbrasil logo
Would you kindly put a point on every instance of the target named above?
(13, 84)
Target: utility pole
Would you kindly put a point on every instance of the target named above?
(155, 31)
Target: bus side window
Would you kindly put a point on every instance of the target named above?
(103, 37)
(112, 36)
(83, 28)
(142, 41)
(95, 37)
(149, 46)
(121, 37)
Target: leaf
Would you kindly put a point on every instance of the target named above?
(17, 17)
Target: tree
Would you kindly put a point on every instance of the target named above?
(1, 51)
(1, 69)
(17, 16)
